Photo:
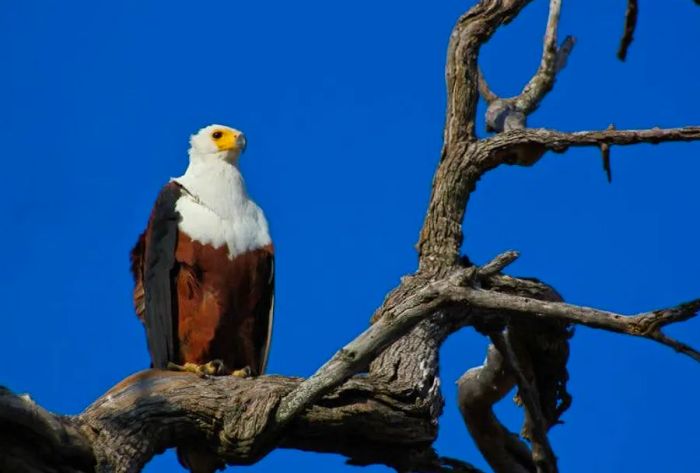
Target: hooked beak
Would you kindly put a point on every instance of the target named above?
(242, 142)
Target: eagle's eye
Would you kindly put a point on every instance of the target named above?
(216, 135)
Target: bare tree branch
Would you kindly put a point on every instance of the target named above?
(525, 147)
(559, 140)
(605, 154)
(646, 325)
(478, 390)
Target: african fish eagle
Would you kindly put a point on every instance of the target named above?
(204, 266)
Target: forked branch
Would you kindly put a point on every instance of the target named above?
(511, 113)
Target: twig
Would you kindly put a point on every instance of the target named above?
(497, 264)
(553, 60)
(563, 54)
(484, 89)
(630, 25)
(605, 153)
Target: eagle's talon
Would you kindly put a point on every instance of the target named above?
(213, 368)
(188, 367)
(242, 373)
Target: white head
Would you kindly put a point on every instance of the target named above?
(217, 142)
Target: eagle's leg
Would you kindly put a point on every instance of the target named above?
(242, 373)
(213, 368)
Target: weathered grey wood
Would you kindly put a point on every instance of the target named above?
(478, 390)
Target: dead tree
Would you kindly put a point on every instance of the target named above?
(378, 399)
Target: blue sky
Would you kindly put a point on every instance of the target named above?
(343, 106)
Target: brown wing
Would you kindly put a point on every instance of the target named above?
(137, 255)
(153, 266)
(264, 311)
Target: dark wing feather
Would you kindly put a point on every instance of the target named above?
(159, 268)
(137, 256)
(264, 311)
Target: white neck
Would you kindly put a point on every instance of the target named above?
(215, 183)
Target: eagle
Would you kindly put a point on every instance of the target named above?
(204, 268)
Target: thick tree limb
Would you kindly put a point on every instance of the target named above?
(441, 236)
(154, 410)
(33, 439)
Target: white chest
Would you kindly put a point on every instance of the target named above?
(215, 209)
(244, 230)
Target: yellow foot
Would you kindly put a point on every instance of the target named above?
(213, 368)
(242, 373)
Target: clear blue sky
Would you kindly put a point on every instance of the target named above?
(343, 106)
